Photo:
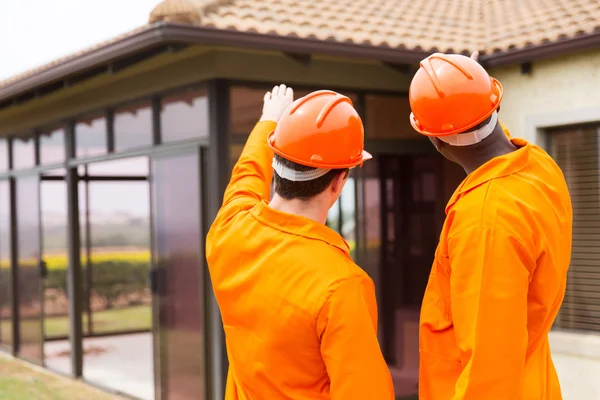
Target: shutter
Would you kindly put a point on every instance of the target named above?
(576, 152)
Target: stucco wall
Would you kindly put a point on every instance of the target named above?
(559, 91)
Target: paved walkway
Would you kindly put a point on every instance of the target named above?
(122, 363)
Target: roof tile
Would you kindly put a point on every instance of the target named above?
(459, 25)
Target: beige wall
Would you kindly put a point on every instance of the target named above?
(560, 91)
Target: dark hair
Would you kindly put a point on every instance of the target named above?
(303, 190)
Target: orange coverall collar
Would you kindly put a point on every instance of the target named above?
(496, 168)
(298, 225)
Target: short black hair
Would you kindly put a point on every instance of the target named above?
(303, 190)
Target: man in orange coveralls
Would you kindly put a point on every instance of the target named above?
(300, 317)
(500, 269)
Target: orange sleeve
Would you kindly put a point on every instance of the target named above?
(251, 177)
(347, 325)
(489, 281)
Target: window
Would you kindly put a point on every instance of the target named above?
(387, 117)
(52, 146)
(5, 275)
(135, 166)
(133, 127)
(184, 116)
(576, 152)
(3, 155)
(90, 136)
(246, 106)
(23, 153)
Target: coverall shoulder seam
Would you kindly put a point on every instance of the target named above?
(342, 282)
(494, 230)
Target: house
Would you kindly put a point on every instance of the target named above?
(114, 161)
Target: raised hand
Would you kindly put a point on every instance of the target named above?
(275, 103)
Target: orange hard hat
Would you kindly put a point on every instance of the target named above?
(450, 94)
(321, 130)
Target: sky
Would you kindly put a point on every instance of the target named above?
(35, 32)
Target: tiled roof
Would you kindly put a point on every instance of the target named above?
(62, 60)
(444, 25)
(459, 26)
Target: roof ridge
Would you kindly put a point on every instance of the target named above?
(186, 11)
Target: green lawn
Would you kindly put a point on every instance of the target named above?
(115, 320)
(18, 381)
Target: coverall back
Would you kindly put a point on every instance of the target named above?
(497, 283)
(300, 316)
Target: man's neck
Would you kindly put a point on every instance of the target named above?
(498, 145)
(311, 209)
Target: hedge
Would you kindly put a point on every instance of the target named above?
(114, 275)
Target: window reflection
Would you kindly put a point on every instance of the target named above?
(133, 127)
(348, 216)
(23, 153)
(137, 166)
(3, 155)
(29, 284)
(387, 117)
(177, 228)
(184, 116)
(246, 106)
(5, 277)
(52, 146)
(115, 229)
(53, 207)
(90, 136)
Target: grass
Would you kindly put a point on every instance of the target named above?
(115, 320)
(19, 381)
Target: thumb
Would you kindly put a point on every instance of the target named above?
(475, 55)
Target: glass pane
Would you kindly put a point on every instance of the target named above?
(176, 212)
(348, 227)
(137, 166)
(23, 153)
(52, 146)
(245, 109)
(5, 276)
(333, 217)
(3, 155)
(115, 224)
(30, 301)
(246, 106)
(90, 136)
(388, 117)
(184, 116)
(53, 207)
(133, 127)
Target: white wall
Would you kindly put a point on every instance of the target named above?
(559, 91)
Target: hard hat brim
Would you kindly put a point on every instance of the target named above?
(500, 92)
(365, 156)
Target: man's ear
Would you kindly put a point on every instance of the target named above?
(338, 182)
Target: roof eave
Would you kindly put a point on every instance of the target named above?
(162, 33)
(538, 52)
(165, 33)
